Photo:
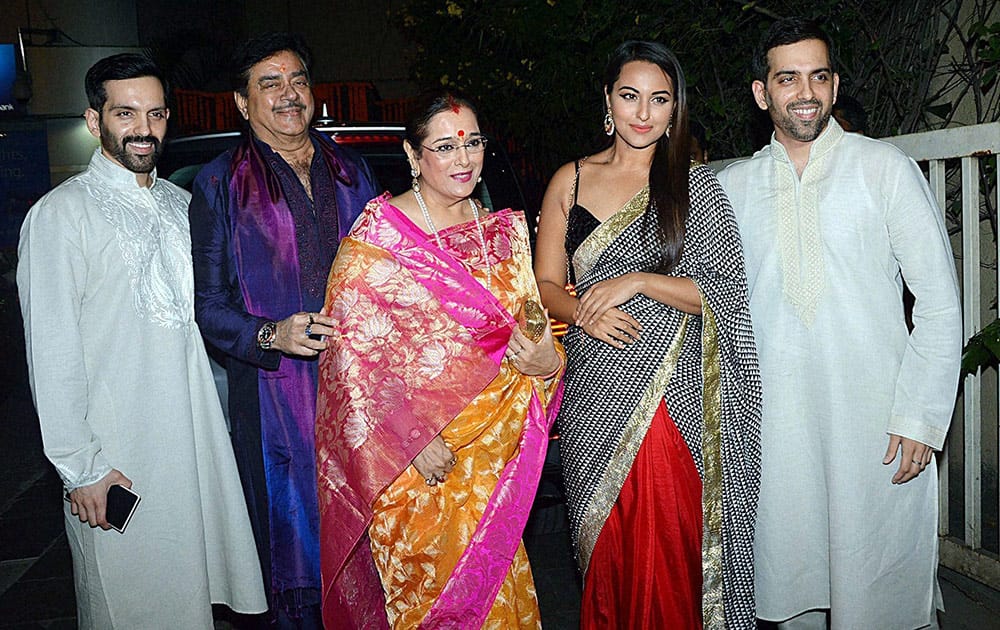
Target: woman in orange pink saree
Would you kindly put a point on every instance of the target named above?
(434, 407)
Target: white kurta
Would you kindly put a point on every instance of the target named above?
(840, 372)
(121, 380)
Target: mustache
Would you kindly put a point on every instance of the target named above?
(144, 139)
(287, 106)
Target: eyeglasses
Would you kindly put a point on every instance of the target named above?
(476, 145)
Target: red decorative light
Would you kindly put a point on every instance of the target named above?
(365, 138)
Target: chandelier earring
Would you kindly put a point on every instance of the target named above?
(609, 123)
(415, 184)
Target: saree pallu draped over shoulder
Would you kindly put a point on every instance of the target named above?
(705, 370)
(418, 351)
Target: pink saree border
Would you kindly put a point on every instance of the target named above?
(468, 596)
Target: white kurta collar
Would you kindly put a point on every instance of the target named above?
(822, 145)
(118, 175)
(799, 240)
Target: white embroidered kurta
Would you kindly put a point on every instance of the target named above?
(121, 380)
(824, 258)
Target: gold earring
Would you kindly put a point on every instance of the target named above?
(609, 123)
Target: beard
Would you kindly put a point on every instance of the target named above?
(793, 126)
(118, 148)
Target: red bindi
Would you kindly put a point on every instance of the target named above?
(461, 132)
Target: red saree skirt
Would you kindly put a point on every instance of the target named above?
(645, 571)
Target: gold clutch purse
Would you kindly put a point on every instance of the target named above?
(532, 320)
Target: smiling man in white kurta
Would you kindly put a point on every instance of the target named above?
(831, 224)
(121, 380)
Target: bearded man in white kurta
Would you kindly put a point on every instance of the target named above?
(121, 380)
(831, 224)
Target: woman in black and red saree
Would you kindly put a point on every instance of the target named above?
(660, 418)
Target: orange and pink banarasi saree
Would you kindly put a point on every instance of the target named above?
(419, 351)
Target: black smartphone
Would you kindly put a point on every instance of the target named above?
(121, 506)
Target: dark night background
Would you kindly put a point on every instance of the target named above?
(533, 65)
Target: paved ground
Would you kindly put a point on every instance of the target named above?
(36, 584)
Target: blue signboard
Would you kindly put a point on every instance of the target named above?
(24, 177)
(8, 71)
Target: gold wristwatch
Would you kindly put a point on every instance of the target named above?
(266, 335)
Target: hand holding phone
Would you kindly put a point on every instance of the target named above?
(89, 503)
(121, 506)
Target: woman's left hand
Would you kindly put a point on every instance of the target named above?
(533, 359)
(603, 296)
(435, 461)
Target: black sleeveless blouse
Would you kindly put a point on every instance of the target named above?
(579, 224)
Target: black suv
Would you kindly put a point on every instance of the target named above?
(380, 144)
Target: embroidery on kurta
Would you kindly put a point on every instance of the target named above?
(147, 234)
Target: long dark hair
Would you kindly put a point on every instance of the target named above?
(668, 173)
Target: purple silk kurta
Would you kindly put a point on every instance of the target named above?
(247, 271)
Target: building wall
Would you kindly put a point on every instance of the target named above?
(351, 40)
(91, 23)
(57, 77)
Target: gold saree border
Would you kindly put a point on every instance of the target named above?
(610, 484)
(712, 604)
(593, 246)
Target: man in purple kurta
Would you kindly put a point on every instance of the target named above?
(266, 220)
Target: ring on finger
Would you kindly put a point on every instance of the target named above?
(430, 481)
(918, 463)
(309, 327)
(311, 322)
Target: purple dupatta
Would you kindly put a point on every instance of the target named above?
(267, 258)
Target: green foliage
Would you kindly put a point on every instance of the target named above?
(982, 349)
(988, 51)
(534, 66)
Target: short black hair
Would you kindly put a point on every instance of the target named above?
(253, 51)
(852, 111)
(789, 30)
(116, 68)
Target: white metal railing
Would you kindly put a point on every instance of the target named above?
(962, 551)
